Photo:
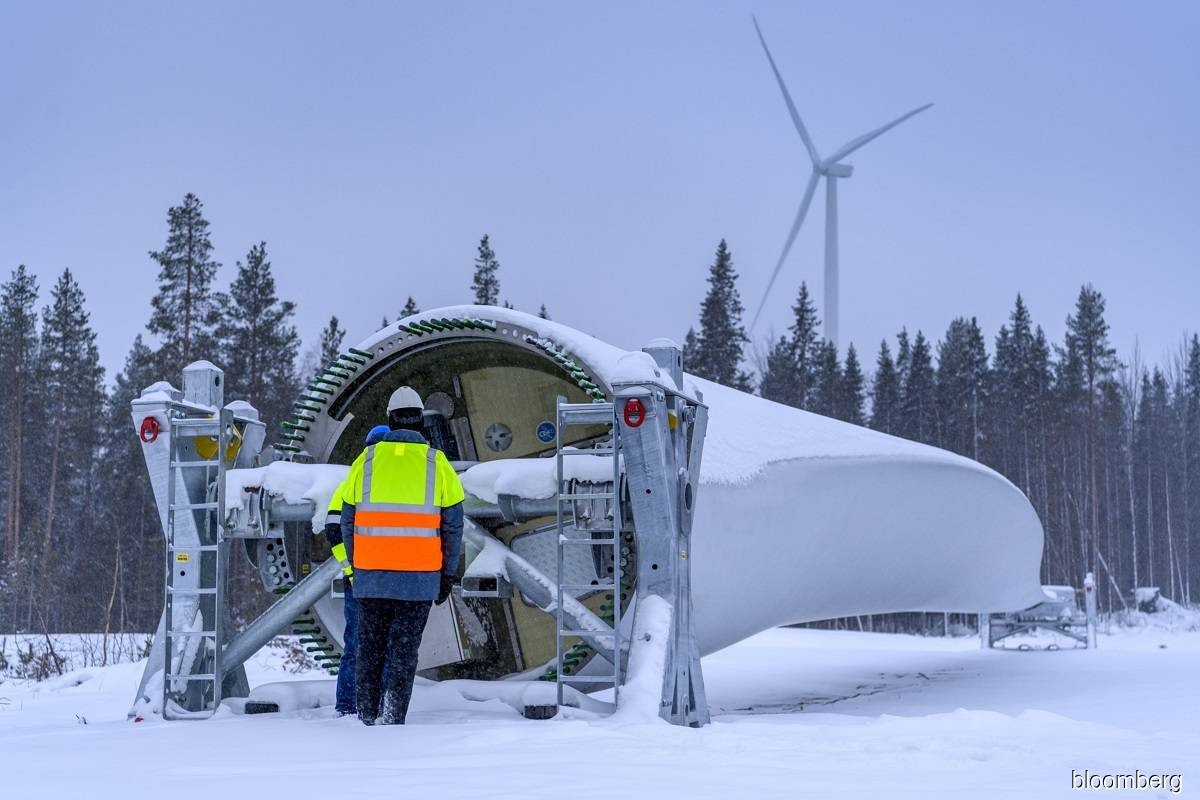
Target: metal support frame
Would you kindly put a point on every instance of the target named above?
(655, 458)
(662, 455)
(1049, 616)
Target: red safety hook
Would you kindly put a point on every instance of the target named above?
(148, 433)
(635, 412)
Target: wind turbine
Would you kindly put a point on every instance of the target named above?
(831, 169)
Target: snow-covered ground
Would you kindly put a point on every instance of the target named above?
(796, 713)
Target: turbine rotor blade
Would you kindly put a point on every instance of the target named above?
(800, 214)
(787, 98)
(849, 148)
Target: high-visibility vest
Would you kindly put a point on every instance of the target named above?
(398, 536)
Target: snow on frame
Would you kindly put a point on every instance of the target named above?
(295, 483)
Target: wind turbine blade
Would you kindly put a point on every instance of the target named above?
(787, 98)
(804, 204)
(866, 137)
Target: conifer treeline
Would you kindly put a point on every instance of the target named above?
(1108, 452)
(82, 544)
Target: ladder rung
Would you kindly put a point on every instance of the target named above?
(593, 542)
(194, 464)
(595, 496)
(582, 633)
(607, 451)
(586, 414)
(586, 678)
(192, 425)
(173, 590)
(203, 676)
(194, 506)
(598, 587)
(191, 633)
(199, 548)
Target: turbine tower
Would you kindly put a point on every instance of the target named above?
(831, 169)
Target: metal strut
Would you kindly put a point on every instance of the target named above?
(602, 538)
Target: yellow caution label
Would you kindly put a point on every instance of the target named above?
(305, 568)
(182, 558)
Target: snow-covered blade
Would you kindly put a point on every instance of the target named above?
(802, 517)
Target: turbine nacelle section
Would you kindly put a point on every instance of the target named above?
(837, 170)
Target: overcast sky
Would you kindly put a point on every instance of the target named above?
(607, 148)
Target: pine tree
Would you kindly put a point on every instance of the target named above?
(850, 397)
(324, 351)
(827, 383)
(486, 283)
(919, 403)
(1093, 361)
(184, 315)
(258, 342)
(1019, 398)
(410, 309)
(72, 389)
(962, 376)
(885, 393)
(18, 349)
(718, 352)
(779, 381)
(1191, 464)
(903, 358)
(543, 313)
(331, 341)
(690, 344)
(806, 345)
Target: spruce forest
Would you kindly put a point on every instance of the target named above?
(1105, 446)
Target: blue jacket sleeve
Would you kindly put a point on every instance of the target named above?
(347, 530)
(333, 529)
(452, 535)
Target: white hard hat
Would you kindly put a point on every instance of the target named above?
(405, 397)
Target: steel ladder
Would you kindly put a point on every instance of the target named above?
(196, 607)
(602, 536)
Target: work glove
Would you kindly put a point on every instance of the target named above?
(339, 552)
(444, 589)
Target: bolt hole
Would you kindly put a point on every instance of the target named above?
(183, 573)
(647, 491)
(654, 566)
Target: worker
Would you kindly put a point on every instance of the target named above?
(402, 522)
(344, 696)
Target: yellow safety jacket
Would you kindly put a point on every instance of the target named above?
(333, 528)
(398, 490)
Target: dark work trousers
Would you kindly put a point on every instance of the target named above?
(345, 702)
(389, 633)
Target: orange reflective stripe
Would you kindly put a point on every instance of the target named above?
(398, 553)
(396, 519)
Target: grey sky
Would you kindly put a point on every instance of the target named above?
(607, 148)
